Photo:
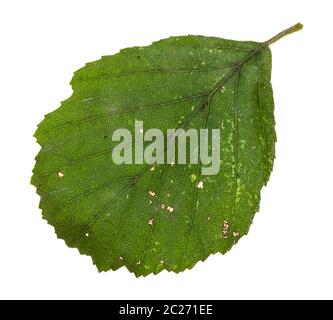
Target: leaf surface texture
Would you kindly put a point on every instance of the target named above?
(107, 211)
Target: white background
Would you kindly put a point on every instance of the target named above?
(288, 253)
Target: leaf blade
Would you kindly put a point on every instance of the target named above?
(131, 231)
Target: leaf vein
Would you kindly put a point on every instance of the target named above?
(154, 71)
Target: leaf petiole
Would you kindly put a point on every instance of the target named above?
(294, 28)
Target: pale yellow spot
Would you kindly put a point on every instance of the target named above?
(225, 228)
(193, 177)
(170, 209)
(200, 185)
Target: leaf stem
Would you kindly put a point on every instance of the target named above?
(294, 28)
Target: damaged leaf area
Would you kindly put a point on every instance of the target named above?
(154, 217)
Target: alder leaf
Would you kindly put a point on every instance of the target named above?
(154, 217)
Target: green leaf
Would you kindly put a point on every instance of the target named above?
(154, 217)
